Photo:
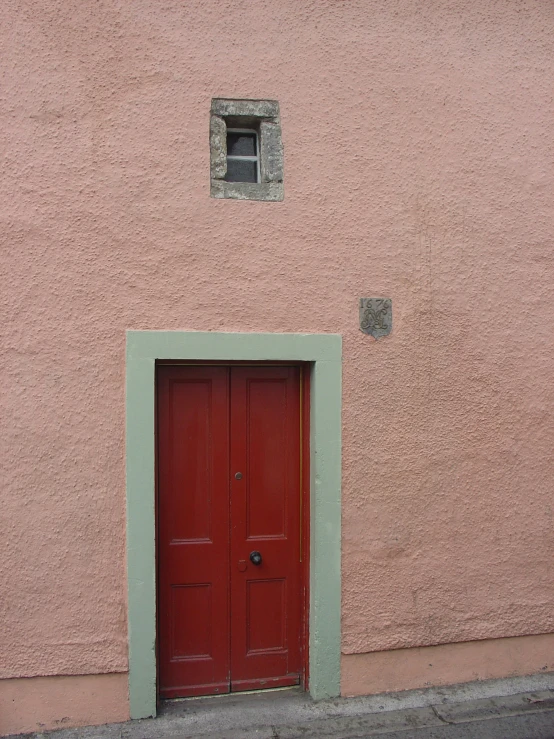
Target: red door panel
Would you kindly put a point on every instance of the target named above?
(265, 517)
(193, 530)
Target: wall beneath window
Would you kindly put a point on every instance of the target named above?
(418, 166)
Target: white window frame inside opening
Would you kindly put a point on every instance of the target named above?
(248, 158)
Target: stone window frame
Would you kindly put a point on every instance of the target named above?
(263, 116)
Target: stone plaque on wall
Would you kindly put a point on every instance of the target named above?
(376, 316)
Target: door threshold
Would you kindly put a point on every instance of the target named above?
(233, 694)
(212, 715)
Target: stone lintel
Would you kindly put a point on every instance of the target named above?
(256, 108)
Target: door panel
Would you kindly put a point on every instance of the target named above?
(193, 530)
(265, 517)
(265, 609)
(265, 435)
(196, 640)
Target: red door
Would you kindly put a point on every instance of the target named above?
(230, 590)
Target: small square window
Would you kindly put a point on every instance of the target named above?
(246, 151)
(242, 155)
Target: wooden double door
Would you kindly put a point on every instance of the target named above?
(230, 576)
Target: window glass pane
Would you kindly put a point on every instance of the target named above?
(241, 144)
(241, 170)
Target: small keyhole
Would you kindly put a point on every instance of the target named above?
(238, 475)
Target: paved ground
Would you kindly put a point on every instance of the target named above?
(485, 710)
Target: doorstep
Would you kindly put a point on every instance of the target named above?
(290, 713)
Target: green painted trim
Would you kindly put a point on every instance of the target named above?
(324, 352)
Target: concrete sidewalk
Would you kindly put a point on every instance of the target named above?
(519, 708)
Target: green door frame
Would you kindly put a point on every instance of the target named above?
(324, 353)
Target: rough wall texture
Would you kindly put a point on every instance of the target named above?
(419, 148)
(44, 703)
(446, 664)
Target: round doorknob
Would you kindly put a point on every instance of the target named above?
(255, 558)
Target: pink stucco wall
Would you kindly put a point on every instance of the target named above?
(43, 703)
(419, 165)
(446, 664)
